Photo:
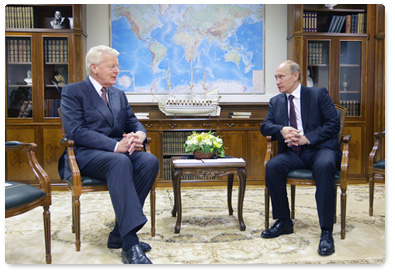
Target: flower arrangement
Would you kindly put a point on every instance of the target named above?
(206, 142)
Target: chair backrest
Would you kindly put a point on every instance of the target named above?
(342, 111)
(61, 122)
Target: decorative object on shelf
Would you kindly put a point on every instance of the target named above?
(205, 142)
(190, 105)
(28, 80)
(58, 77)
(310, 82)
(58, 22)
(330, 6)
(345, 82)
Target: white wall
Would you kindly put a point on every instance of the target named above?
(98, 31)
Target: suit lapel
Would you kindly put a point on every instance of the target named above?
(304, 105)
(98, 103)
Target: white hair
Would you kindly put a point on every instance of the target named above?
(94, 55)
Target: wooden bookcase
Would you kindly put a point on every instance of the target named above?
(343, 62)
(39, 61)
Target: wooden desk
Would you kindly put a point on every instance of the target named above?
(209, 167)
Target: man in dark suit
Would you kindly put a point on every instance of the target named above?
(108, 141)
(305, 122)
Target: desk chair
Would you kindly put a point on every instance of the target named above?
(305, 176)
(376, 166)
(21, 198)
(78, 184)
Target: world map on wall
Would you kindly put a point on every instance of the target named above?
(220, 46)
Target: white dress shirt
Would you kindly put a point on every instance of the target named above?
(296, 101)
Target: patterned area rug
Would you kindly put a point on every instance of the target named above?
(208, 234)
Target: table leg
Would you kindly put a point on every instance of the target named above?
(230, 187)
(177, 209)
(242, 175)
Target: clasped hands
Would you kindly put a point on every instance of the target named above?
(131, 142)
(293, 137)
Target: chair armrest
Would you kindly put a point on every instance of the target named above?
(39, 172)
(269, 153)
(74, 169)
(375, 153)
(344, 162)
(146, 143)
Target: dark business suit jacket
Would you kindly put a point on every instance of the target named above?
(320, 119)
(91, 124)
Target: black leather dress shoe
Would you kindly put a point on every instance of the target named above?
(115, 242)
(135, 255)
(326, 246)
(280, 227)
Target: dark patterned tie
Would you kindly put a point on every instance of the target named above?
(104, 95)
(292, 121)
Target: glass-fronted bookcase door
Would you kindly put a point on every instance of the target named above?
(19, 80)
(56, 71)
(338, 65)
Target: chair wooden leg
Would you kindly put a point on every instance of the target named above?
(371, 194)
(47, 234)
(343, 213)
(334, 217)
(76, 206)
(153, 211)
(267, 200)
(292, 201)
(72, 215)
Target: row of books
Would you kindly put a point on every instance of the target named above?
(239, 114)
(351, 23)
(56, 50)
(309, 21)
(353, 107)
(19, 17)
(167, 173)
(173, 142)
(142, 115)
(18, 50)
(51, 109)
(315, 53)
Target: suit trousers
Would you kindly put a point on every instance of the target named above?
(324, 164)
(129, 180)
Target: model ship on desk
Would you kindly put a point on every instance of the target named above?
(191, 104)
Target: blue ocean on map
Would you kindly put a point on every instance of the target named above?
(226, 62)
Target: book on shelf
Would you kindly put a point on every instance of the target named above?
(350, 23)
(142, 115)
(239, 114)
(18, 50)
(315, 53)
(19, 17)
(309, 21)
(52, 106)
(352, 106)
(56, 50)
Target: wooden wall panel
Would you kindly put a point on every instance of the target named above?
(17, 167)
(52, 150)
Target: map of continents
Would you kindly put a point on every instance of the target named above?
(222, 44)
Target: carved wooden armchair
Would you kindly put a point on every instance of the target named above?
(79, 184)
(21, 198)
(376, 166)
(305, 177)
